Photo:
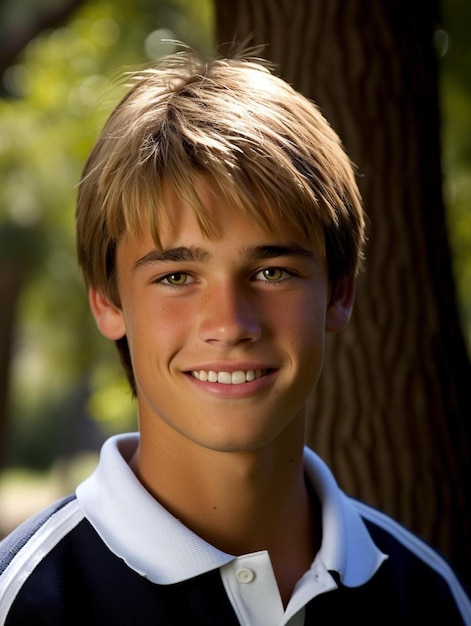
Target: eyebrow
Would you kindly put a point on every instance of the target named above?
(274, 251)
(182, 253)
(197, 254)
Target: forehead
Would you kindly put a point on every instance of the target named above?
(232, 231)
(207, 212)
(231, 235)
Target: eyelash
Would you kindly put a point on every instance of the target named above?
(285, 274)
(168, 284)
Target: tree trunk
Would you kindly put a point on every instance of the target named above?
(392, 408)
(15, 39)
(12, 274)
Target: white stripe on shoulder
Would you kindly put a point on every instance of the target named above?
(32, 553)
(424, 552)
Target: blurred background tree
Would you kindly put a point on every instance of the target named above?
(66, 390)
(454, 45)
(60, 63)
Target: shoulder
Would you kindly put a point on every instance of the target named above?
(31, 543)
(53, 519)
(412, 565)
(399, 542)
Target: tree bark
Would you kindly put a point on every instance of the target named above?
(391, 412)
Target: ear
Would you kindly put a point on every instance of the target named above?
(108, 317)
(340, 306)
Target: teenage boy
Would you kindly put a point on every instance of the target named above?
(219, 231)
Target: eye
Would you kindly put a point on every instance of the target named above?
(176, 279)
(272, 274)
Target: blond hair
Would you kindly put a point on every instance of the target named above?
(267, 148)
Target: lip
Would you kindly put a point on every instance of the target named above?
(218, 366)
(243, 390)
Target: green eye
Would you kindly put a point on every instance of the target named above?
(272, 273)
(176, 279)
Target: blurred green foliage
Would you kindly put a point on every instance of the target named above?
(456, 142)
(59, 94)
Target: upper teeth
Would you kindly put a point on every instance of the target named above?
(227, 378)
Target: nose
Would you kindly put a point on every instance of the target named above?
(229, 316)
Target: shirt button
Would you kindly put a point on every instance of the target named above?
(245, 575)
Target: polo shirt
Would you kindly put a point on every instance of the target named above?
(111, 554)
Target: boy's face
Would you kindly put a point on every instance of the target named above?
(248, 309)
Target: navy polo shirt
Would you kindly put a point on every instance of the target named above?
(111, 554)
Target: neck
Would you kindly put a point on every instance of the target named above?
(240, 502)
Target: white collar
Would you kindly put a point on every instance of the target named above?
(154, 543)
(347, 547)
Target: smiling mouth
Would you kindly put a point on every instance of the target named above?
(228, 378)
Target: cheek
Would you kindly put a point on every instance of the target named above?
(155, 333)
(299, 330)
(305, 320)
(309, 325)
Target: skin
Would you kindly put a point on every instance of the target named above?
(226, 459)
